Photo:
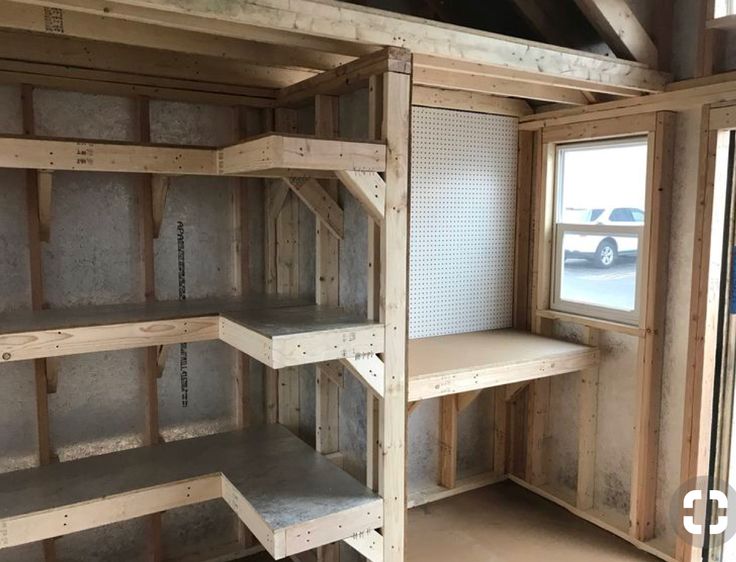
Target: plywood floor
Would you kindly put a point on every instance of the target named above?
(506, 523)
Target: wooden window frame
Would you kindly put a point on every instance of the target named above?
(557, 303)
(549, 304)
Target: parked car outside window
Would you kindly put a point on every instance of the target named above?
(603, 250)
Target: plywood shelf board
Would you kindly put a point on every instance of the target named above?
(274, 330)
(266, 155)
(457, 363)
(290, 486)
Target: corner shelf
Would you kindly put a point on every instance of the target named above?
(445, 365)
(292, 499)
(279, 333)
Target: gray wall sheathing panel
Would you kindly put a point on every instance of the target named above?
(463, 217)
(98, 406)
(92, 255)
(616, 410)
(423, 445)
(18, 441)
(475, 436)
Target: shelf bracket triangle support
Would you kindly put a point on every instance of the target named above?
(370, 370)
(369, 189)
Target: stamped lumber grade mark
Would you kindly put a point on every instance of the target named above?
(183, 352)
(85, 153)
(53, 20)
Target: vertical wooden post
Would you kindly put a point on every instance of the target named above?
(587, 390)
(651, 346)
(247, 123)
(327, 269)
(40, 366)
(374, 407)
(448, 440)
(287, 280)
(500, 430)
(148, 290)
(394, 277)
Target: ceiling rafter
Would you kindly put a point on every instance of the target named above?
(621, 29)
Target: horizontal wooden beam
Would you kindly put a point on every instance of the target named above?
(484, 84)
(80, 53)
(723, 118)
(347, 77)
(350, 29)
(92, 156)
(453, 69)
(62, 77)
(36, 344)
(265, 156)
(93, 27)
(469, 101)
(679, 96)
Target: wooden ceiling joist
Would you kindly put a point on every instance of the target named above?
(506, 87)
(81, 25)
(112, 57)
(679, 96)
(469, 101)
(62, 77)
(354, 30)
(621, 29)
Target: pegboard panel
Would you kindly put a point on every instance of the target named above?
(463, 214)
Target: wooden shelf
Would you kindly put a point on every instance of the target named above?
(264, 156)
(291, 497)
(458, 363)
(278, 332)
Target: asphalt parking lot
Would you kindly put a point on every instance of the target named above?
(613, 287)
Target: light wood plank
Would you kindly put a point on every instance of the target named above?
(394, 275)
(448, 441)
(458, 363)
(368, 188)
(469, 101)
(320, 202)
(650, 357)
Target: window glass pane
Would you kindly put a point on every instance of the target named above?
(601, 183)
(599, 270)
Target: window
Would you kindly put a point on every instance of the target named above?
(600, 198)
(723, 8)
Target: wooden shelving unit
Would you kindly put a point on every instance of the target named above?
(290, 497)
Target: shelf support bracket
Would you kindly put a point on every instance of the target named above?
(45, 187)
(369, 189)
(368, 544)
(370, 370)
(314, 196)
